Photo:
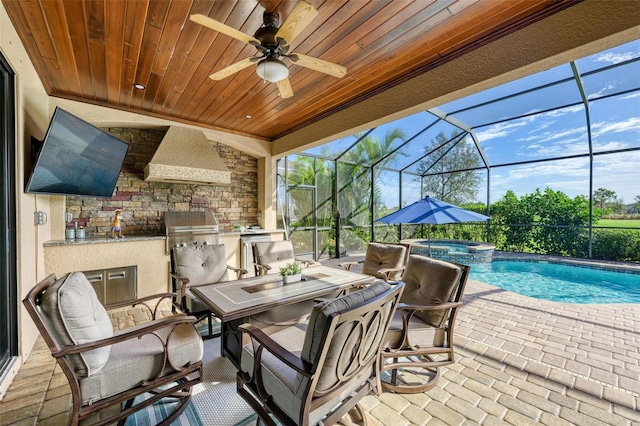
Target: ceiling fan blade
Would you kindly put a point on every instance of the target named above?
(301, 15)
(223, 28)
(284, 87)
(232, 69)
(318, 65)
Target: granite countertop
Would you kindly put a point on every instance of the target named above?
(106, 239)
(102, 240)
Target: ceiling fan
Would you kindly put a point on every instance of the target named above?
(272, 44)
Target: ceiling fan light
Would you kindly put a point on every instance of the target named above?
(272, 70)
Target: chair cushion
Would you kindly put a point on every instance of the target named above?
(133, 361)
(279, 379)
(429, 282)
(381, 256)
(420, 333)
(276, 254)
(75, 316)
(202, 265)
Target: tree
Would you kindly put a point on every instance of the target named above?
(354, 186)
(607, 200)
(515, 215)
(355, 176)
(547, 222)
(636, 205)
(449, 178)
(564, 220)
(314, 172)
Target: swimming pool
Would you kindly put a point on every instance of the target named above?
(559, 282)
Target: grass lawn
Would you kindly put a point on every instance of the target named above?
(619, 223)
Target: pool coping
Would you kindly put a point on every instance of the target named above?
(477, 246)
(604, 265)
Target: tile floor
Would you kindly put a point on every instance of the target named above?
(519, 361)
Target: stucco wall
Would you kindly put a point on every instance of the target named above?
(148, 255)
(32, 118)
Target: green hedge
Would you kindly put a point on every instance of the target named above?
(616, 244)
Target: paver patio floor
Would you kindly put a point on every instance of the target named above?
(519, 361)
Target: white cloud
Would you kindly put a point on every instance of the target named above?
(618, 172)
(564, 111)
(603, 91)
(609, 146)
(504, 129)
(575, 167)
(499, 130)
(604, 128)
(562, 134)
(615, 58)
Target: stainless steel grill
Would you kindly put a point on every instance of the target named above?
(191, 228)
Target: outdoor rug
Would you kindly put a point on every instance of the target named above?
(214, 402)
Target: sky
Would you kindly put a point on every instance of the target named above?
(540, 124)
(549, 129)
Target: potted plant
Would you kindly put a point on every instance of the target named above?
(291, 273)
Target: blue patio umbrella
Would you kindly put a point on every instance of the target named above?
(432, 211)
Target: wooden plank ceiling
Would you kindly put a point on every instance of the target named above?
(95, 50)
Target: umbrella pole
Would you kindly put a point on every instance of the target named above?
(429, 238)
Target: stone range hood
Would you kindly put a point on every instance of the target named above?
(186, 156)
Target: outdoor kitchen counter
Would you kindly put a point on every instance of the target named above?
(103, 240)
(147, 253)
(130, 238)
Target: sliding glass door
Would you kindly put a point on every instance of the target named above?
(8, 262)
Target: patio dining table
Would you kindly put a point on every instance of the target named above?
(235, 301)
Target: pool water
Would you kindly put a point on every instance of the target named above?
(559, 282)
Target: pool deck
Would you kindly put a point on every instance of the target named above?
(519, 361)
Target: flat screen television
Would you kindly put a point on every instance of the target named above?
(76, 158)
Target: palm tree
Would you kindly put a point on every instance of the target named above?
(354, 187)
(356, 178)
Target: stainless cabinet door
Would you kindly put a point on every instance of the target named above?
(121, 284)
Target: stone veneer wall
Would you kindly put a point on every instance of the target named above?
(144, 203)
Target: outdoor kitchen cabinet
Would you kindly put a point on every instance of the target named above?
(114, 284)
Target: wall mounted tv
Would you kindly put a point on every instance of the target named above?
(76, 158)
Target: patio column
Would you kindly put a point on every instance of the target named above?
(267, 212)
